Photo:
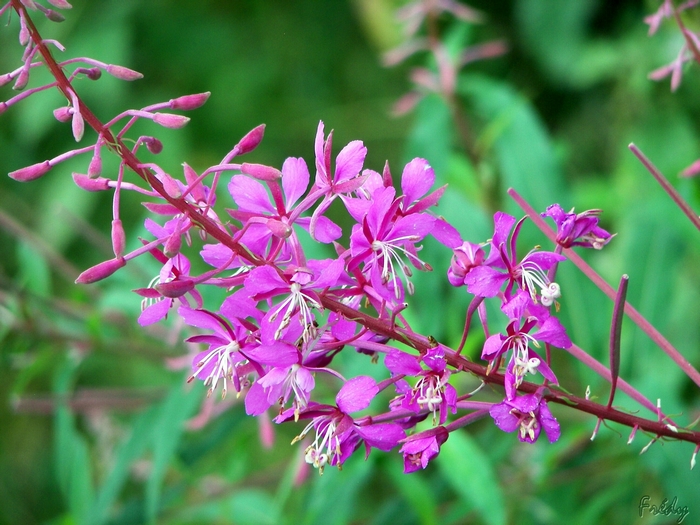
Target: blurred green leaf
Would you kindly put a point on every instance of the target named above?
(417, 493)
(34, 270)
(334, 495)
(167, 432)
(73, 465)
(431, 135)
(253, 507)
(470, 473)
(131, 449)
(519, 139)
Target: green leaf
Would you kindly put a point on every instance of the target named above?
(334, 495)
(34, 271)
(73, 468)
(470, 473)
(518, 138)
(166, 435)
(416, 492)
(253, 507)
(131, 449)
(431, 137)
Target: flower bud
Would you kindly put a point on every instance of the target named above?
(123, 73)
(189, 102)
(93, 73)
(173, 244)
(170, 186)
(251, 140)
(118, 238)
(154, 145)
(22, 80)
(279, 229)
(101, 271)
(261, 172)
(31, 172)
(63, 114)
(175, 288)
(61, 4)
(87, 183)
(169, 120)
(23, 32)
(52, 15)
(78, 126)
(95, 167)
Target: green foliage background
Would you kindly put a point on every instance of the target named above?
(92, 422)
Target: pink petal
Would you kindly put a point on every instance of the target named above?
(295, 180)
(250, 195)
(356, 394)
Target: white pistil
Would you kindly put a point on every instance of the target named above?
(299, 299)
(533, 277)
(528, 424)
(430, 391)
(391, 252)
(550, 294)
(222, 368)
(325, 438)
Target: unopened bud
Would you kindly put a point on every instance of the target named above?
(123, 73)
(197, 191)
(101, 271)
(93, 73)
(170, 185)
(189, 102)
(169, 120)
(23, 32)
(95, 167)
(63, 114)
(78, 126)
(89, 183)
(279, 229)
(31, 172)
(118, 238)
(173, 244)
(154, 145)
(175, 288)
(251, 140)
(22, 80)
(261, 172)
(52, 15)
(61, 4)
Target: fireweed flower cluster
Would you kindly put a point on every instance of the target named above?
(286, 317)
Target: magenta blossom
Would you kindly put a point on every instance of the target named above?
(432, 390)
(232, 355)
(528, 414)
(338, 435)
(333, 184)
(171, 284)
(464, 259)
(380, 241)
(420, 448)
(269, 215)
(578, 229)
(502, 266)
(524, 317)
